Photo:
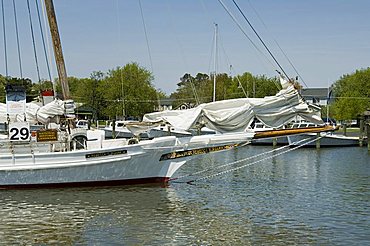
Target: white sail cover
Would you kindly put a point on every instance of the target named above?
(235, 115)
(34, 113)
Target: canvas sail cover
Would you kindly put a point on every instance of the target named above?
(35, 113)
(234, 115)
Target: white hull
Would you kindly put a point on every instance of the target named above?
(325, 141)
(269, 141)
(146, 162)
(118, 133)
(155, 133)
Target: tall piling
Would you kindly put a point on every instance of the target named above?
(318, 140)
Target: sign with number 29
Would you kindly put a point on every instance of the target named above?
(19, 131)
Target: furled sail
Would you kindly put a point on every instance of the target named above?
(38, 114)
(234, 115)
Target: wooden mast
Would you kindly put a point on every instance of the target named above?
(58, 53)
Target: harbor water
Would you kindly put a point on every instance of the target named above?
(303, 197)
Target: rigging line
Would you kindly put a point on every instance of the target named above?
(181, 48)
(33, 40)
(244, 32)
(4, 32)
(211, 56)
(254, 30)
(48, 44)
(194, 90)
(148, 47)
(236, 162)
(232, 69)
(120, 68)
(146, 36)
(17, 36)
(255, 162)
(282, 51)
(215, 63)
(43, 40)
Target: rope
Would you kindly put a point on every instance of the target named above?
(4, 32)
(268, 50)
(148, 47)
(235, 162)
(48, 45)
(17, 36)
(282, 51)
(243, 160)
(43, 41)
(33, 40)
(244, 32)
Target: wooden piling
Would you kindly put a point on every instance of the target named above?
(114, 129)
(318, 140)
(274, 142)
(368, 135)
(345, 129)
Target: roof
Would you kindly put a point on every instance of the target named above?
(321, 93)
(166, 101)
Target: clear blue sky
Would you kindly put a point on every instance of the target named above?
(323, 39)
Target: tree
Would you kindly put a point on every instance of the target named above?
(128, 91)
(25, 82)
(352, 95)
(199, 89)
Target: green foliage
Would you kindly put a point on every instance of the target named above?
(128, 91)
(200, 87)
(25, 82)
(352, 93)
(124, 91)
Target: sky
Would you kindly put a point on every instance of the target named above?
(322, 39)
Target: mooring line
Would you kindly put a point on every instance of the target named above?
(242, 160)
(234, 162)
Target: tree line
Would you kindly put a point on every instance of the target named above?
(351, 95)
(129, 91)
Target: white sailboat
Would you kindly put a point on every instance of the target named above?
(46, 158)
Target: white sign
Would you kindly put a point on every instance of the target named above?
(19, 131)
(15, 102)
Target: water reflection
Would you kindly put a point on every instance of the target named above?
(305, 197)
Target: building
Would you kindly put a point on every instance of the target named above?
(318, 96)
(164, 104)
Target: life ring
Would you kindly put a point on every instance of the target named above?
(132, 141)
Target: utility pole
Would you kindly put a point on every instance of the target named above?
(58, 53)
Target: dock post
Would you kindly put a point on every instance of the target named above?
(361, 136)
(113, 129)
(368, 135)
(274, 142)
(318, 140)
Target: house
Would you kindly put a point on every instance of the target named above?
(85, 112)
(164, 104)
(318, 96)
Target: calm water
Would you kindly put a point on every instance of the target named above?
(305, 197)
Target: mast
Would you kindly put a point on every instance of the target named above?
(58, 53)
(215, 64)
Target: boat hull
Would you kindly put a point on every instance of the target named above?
(149, 161)
(128, 164)
(270, 141)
